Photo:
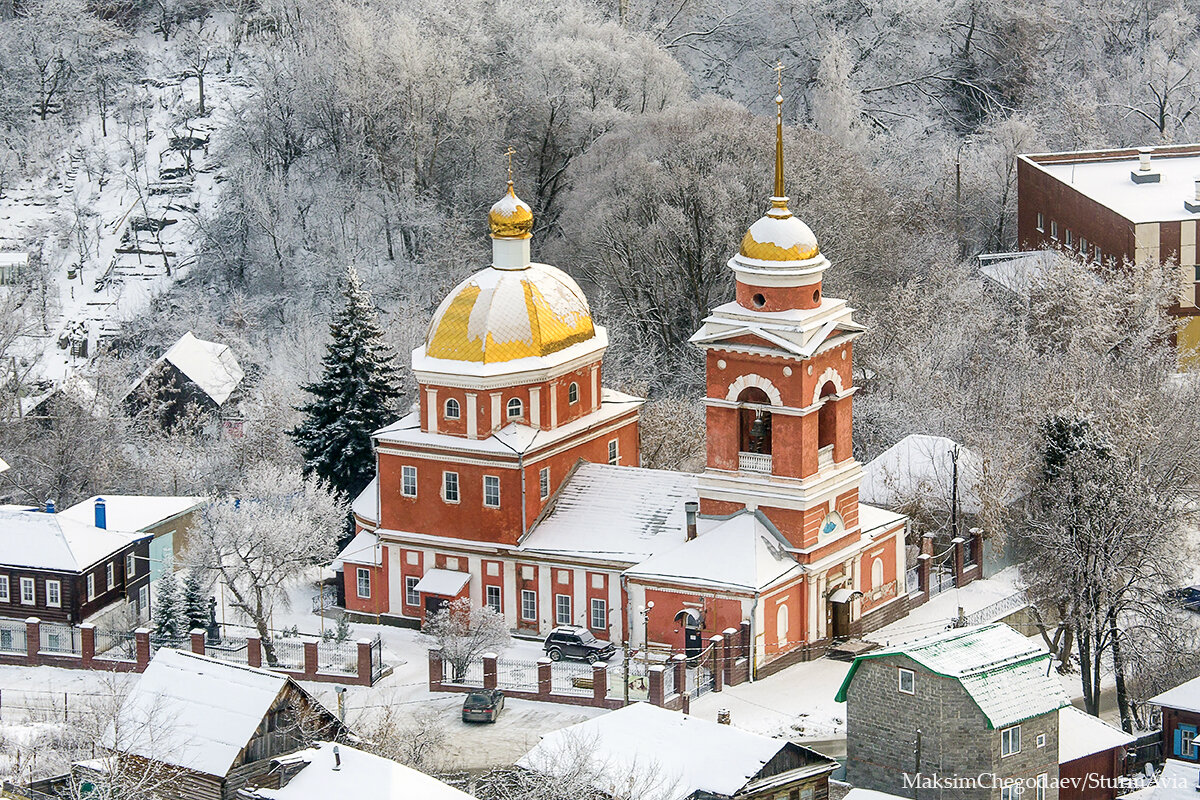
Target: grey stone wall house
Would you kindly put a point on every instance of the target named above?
(973, 710)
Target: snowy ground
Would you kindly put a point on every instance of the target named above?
(934, 616)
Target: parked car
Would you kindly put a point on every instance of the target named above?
(1188, 597)
(483, 705)
(577, 643)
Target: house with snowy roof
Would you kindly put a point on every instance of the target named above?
(516, 482)
(207, 728)
(967, 702)
(1181, 720)
(59, 569)
(1089, 749)
(192, 373)
(649, 752)
(166, 518)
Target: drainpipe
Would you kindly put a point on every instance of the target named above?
(752, 656)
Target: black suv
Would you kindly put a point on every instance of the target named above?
(579, 643)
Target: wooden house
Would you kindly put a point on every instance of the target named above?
(1181, 721)
(192, 374)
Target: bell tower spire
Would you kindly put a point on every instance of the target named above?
(779, 130)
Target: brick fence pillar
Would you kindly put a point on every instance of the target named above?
(679, 664)
(253, 651)
(490, 667)
(365, 669)
(731, 644)
(925, 568)
(599, 684)
(141, 639)
(197, 637)
(33, 639)
(310, 658)
(436, 669)
(656, 686)
(87, 644)
(717, 643)
(959, 560)
(545, 677)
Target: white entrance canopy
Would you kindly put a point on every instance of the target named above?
(442, 582)
(843, 595)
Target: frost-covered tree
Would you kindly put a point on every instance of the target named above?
(354, 396)
(170, 614)
(465, 632)
(194, 600)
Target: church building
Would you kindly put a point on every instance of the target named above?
(515, 479)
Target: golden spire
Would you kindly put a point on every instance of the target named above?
(779, 130)
(510, 153)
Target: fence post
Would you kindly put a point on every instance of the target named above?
(599, 684)
(366, 670)
(141, 638)
(33, 639)
(489, 670)
(253, 651)
(923, 564)
(197, 637)
(310, 658)
(545, 677)
(959, 559)
(730, 654)
(679, 663)
(436, 668)
(656, 685)
(717, 643)
(87, 644)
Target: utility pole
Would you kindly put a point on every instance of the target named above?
(917, 759)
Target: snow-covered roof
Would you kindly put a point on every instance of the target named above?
(363, 549)
(611, 512)
(1006, 674)
(75, 388)
(1080, 735)
(870, 794)
(741, 553)
(873, 521)
(1177, 781)
(668, 754)
(360, 775)
(209, 365)
(196, 712)
(1185, 697)
(11, 259)
(1017, 272)
(442, 582)
(132, 512)
(38, 540)
(920, 467)
(801, 332)
(366, 505)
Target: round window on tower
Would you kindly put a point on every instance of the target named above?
(817, 296)
(758, 300)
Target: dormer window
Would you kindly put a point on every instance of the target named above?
(452, 409)
(515, 408)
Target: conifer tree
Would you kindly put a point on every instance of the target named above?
(194, 603)
(170, 621)
(352, 398)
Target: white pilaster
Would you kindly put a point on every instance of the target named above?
(431, 410)
(535, 406)
(554, 404)
(472, 416)
(497, 409)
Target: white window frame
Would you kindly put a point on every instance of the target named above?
(54, 594)
(450, 489)
(544, 483)
(28, 592)
(411, 596)
(598, 613)
(1054, 229)
(1041, 222)
(408, 480)
(1041, 740)
(904, 676)
(1069, 238)
(515, 408)
(493, 592)
(1187, 743)
(362, 576)
(452, 410)
(130, 567)
(562, 609)
(91, 586)
(144, 598)
(1010, 791)
(1010, 741)
(5, 596)
(110, 576)
(573, 393)
(614, 451)
(529, 605)
(491, 491)
(1040, 784)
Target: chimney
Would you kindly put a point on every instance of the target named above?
(1145, 172)
(690, 510)
(337, 758)
(49, 506)
(1193, 205)
(1144, 159)
(101, 516)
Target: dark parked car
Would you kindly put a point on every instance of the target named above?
(1188, 597)
(483, 705)
(578, 643)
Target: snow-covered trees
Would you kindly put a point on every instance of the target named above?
(465, 632)
(170, 616)
(354, 396)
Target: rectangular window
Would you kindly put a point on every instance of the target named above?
(1041, 786)
(1083, 245)
(110, 576)
(1185, 741)
(408, 481)
(143, 600)
(544, 480)
(599, 614)
(450, 487)
(1053, 229)
(28, 597)
(614, 453)
(906, 681)
(1041, 221)
(493, 598)
(91, 586)
(562, 609)
(4, 596)
(528, 604)
(491, 491)
(1196, 275)
(364, 582)
(1096, 253)
(1010, 791)
(54, 594)
(411, 596)
(1010, 741)
(1068, 240)
(130, 567)
(1041, 740)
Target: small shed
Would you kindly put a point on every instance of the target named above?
(1091, 756)
(192, 372)
(1181, 721)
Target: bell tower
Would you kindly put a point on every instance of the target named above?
(780, 384)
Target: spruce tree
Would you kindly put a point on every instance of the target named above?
(170, 621)
(352, 398)
(194, 602)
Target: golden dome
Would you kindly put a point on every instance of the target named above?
(511, 217)
(779, 236)
(501, 315)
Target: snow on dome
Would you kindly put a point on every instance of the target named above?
(501, 315)
(779, 236)
(511, 217)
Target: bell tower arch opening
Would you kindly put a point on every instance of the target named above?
(754, 421)
(827, 417)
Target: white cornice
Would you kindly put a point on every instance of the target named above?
(484, 377)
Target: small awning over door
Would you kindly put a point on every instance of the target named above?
(442, 582)
(843, 595)
(689, 617)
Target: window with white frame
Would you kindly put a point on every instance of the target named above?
(544, 483)
(906, 681)
(411, 596)
(1041, 783)
(599, 620)
(562, 609)
(110, 576)
(491, 491)
(1010, 741)
(54, 594)
(1053, 229)
(1041, 740)
(877, 573)
(408, 481)
(1010, 791)
(452, 410)
(130, 567)
(528, 604)
(1186, 746)
(450, 487)
(573, 393)
(364, 582)
(91, 586)
(143, 601)
(1041, 221)
(515, 408)
(614, 452)
(28, 596)
(492, 599)
(4, 596)
(1083, 245)
(1097, 252)
(1069, 238)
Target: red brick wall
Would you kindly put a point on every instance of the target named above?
(718, 613)
(486, 580)
(791, 598)
(378, 602)
(530, 583)
(778, 298)
(407, 570)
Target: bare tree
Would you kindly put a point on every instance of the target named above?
(465, 632)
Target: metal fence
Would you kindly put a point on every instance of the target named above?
(12, 637)
(335, 656)
(569, 679)
(233, 649)
(997, 610)
(517, 675)
(116, 646)
(940, 579)
(376, 659)
(59, 638)
(912, 580)
(289, 653)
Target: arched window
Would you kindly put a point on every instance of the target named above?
(573, 393)
(451, 409)
(754, 424)
(827, 416)
(877, 573)
(515, 408)
(781, 625)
